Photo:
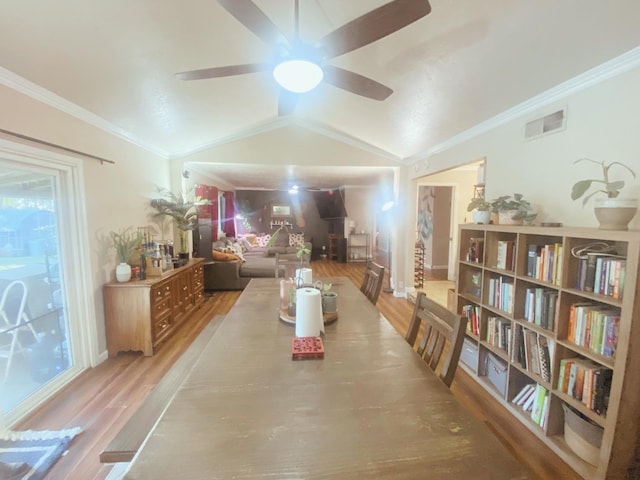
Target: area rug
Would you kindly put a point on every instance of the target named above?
(30, 454)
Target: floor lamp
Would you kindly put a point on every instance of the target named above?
(385, 208)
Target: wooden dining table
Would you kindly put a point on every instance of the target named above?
(370, 408)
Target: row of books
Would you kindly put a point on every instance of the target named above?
(500, 294)
(476, 250)
(602, 273)
(505, 254)
(594, 327)
(534, 398)
(472, 313)
(534, 352)
(499, 333)
(544, 262)
(540, 306)
(587, 382)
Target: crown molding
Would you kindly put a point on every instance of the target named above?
(612, 68)
(30, 89)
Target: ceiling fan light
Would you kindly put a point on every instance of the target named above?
(298, 76)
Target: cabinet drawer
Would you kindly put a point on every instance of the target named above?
(160, 292)
(161, 327)
(161, 308)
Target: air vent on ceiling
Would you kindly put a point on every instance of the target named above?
(553, 122)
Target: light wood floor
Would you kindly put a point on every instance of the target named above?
(103, 398)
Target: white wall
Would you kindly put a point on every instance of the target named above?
(601, 124)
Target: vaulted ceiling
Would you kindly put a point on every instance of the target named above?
(462, 64)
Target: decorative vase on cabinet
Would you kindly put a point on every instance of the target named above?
(123, 272)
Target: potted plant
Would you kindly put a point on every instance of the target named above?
(126, 242)
(612, 212)
(480, 209)
(513, 210)
(182, 209)
(329, 299)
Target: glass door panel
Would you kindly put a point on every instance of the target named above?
(34, 346)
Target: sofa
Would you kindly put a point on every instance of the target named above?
(224, 272)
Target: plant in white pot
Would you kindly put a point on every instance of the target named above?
(480, 209)
(513, 210)
(612, 212)
(126, 242)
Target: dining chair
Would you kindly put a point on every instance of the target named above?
(372, 281)
(440, 332)
(13, 320)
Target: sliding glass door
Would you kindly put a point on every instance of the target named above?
(47, 314)
(34, 332)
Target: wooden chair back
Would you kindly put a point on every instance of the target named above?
(372, 281)
(437, 333)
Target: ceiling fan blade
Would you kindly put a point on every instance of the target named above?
(215, 72)
(373, 26)
(355, 83)
(287, 102)
(248, 14)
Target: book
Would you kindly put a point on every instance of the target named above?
(532, 253)
(545, 410)
(538, 404)
(528, 404)
(522, 393)
(590, 274)
(610, 335)
(573, 372)
(544, 358)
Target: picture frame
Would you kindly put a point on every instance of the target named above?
(280, 210)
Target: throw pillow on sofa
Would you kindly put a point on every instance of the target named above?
(224, 257)
(296, 239)
(237, 249)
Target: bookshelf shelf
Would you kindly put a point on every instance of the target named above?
(566, 310)
(358, 248)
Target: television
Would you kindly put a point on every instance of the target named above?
(330, 204)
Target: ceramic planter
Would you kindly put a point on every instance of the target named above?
(505, 217)
(615, 213)
(481, 216)
(329, 302)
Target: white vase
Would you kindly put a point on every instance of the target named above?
(615, 213)
(123, 272)
(481, 216)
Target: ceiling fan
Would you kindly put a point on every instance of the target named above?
(309, 62)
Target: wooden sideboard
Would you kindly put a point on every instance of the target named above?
(140, 314)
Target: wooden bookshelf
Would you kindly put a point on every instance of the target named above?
(523, 289)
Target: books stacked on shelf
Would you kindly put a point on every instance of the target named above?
(499, 333)
(501, 294)
(472, 313)
(544, 262)
(540, 306)
(587, 382)
(602, 273)
(504, 257)
(476, 250)
(594, 327)
(534, 398)
(534, 352)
